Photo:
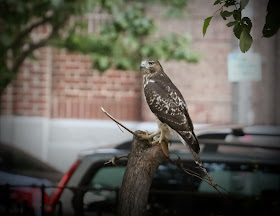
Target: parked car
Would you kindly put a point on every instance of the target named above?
(249, 171)
(21, 176)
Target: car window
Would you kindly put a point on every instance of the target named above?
(237, 178)
(108, 177)
(105, 185)
(242, 182)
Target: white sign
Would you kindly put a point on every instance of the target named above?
(244, 67)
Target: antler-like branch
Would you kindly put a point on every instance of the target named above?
(115, 120)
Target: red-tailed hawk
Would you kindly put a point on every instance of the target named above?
(168, 104)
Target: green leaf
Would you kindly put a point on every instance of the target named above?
(217, 2)
(237, 15)
(247, 23)
(5, 39)
(272, 24)
(231, 23)
(246, 41)
(221, 13)
(237, 29)
(247, 20)
(229, 3)
(101, 63)
(243, 4)
(270, 30)
(206, 24)
(225, 13)
(33, 57)
(56, 3)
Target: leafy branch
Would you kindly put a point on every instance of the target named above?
(242, 25)
(127, 38)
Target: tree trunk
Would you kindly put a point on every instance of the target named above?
(142, 164)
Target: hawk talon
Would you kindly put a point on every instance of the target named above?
(146, 136)
(158, 140)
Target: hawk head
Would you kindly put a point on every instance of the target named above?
(150, 66)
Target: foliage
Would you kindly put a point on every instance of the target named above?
(122, 42)
(242, 25)
(173, 8)
(125, 39)
(19, 18)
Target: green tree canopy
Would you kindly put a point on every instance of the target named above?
(123, 40)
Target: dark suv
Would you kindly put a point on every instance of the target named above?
(246, 165)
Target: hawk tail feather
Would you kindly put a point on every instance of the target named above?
(188, 138)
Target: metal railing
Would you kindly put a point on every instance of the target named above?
(6, 189)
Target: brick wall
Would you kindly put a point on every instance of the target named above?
(63, 85)
(28, 94)
(79, 92)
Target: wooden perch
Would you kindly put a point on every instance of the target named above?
(141, 167)
(143, 162)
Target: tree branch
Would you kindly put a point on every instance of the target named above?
(143, 162)
(114, 159)
(115, 120)
(27, 30)
(141, 167)
(33, 47)
(209, 180)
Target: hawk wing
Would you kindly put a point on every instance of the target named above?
(167, 103)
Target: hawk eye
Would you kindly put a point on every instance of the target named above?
(151, 63)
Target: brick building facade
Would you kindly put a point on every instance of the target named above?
(61, 84)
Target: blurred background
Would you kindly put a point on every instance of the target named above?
(50, 107)
(61, 61)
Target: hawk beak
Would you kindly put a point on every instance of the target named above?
(144, 64)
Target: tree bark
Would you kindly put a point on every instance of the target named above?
(142, 164)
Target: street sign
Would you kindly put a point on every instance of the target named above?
(244, 67)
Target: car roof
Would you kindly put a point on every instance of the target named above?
(222, 144)
(263, 133)
(226, 153)
(16, 161)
